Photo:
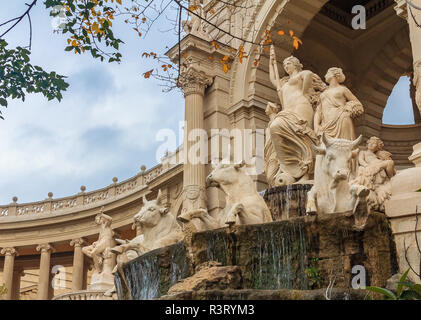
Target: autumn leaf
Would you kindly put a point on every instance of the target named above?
(281, 32)
(296, 42)
(147, 74)
(226, 67)
(119, 2)
(291, 33)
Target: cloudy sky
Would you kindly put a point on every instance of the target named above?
(105, 125)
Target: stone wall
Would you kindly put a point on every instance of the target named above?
(276, 255)
(272, 256)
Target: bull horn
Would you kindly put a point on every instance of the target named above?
(326, 140)
(318, 149)
(356, 142)
(239, 165)
(144, 199)
(159, 197)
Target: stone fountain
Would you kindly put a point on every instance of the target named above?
(306, 237)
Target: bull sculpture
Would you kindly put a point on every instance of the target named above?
(332, 192)
(244, 205)
(159, 228)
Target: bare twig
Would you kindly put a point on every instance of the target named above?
(18, 19)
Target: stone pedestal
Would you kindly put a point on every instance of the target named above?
(101, 282)
(404, 209)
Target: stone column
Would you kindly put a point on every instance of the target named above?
(193, 84)
(44, 271)
(9, 261)
(78, 264)
(413, 17)
(17, 275)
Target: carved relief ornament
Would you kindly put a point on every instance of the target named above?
(193, 81)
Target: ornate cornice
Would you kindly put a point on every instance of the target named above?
(45, 247)
(78, 242)
(10, 251)
(194, 81)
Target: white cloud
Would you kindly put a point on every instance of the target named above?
(104, 127)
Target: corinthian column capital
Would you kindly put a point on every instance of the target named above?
(45, 247)
(78, 242)
(9, 251)
(194, 81)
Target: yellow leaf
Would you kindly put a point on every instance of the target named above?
(281, 32)
(118, 1)
(291, 33)
(225, 67)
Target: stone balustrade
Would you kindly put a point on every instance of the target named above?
(84, 199)
(83, 295)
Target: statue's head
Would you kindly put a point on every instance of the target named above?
(152, 212)
(375, 144)
(292, 64)
(335, 73)
(272, 109)
(102, 218)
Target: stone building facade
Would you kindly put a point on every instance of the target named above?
(38, 239)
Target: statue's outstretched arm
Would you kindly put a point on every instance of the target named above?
(273, 69)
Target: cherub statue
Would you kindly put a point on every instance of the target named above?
(100, 252)
(376, 168)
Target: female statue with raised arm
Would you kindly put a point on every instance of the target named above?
(334, 115)
(291, 131)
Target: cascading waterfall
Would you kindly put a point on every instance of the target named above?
(274, 257)
(152, 274)
(287, 201)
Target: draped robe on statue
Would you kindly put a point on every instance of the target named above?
(293, 144)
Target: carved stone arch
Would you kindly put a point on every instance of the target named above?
(390, 63)
(272, 15)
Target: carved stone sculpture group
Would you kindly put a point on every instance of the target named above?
(313, 137)
(310, 138)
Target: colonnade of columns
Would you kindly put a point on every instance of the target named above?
(12, 274)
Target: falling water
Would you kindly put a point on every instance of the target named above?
(287, 201)
(281, 257)
(272, 256)
(152, 274)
